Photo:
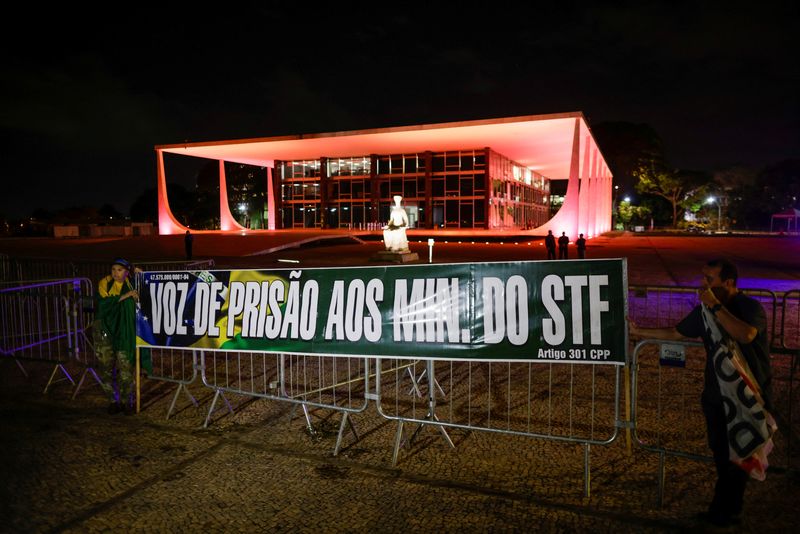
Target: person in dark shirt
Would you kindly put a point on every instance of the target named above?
(550, 245)
(563, 242)
(581, 244)
(725, 318)
(188, 238)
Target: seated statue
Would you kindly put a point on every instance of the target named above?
(394, 233)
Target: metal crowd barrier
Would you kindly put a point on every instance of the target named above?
(666, 411)
(577, 403)
(5, 267)
(566, 402)
(176, 366)
(47, 321)
(332, 382)
(790, 320)
(19, 268)
(664, 306)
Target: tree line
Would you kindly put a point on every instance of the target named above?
(735, 198)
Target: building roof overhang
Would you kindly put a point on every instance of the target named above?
(543, 143)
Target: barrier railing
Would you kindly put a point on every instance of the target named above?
(790, 320)
(331, 382)
(176, 366)
(47, 321)
(663, 306)
(17, 268)
(666, 411)
(5, 267)
(576, 403)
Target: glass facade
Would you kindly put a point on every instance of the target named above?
(458, 189)
(349, 205)
(404, 175)
(519, 197)
(300, 194)
(471, 188)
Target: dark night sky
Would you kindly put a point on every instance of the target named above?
(86, 100)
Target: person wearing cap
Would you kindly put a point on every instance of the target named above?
(115, 335)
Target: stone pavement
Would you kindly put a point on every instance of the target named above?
(69, 467)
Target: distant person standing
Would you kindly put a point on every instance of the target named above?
(581, 244)
(550, 245)
(187, 244)
(563, 242)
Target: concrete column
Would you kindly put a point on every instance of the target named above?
(226, 220)
(277, 193)
(566, 220)
(324, 193)
(428, 215)
(604, 216)
(600, 195)
(609, 198)
(374, 190)
(167, 223)
(271, 215)
(487, 186)
(584, 200)
(593, 198)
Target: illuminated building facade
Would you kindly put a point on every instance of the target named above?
(488, 175)
(475, 188)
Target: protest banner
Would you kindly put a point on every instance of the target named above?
(571, 311)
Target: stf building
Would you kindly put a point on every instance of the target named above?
(490, 174)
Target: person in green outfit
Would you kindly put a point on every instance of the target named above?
(115, 335)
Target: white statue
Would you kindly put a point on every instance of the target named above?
(394, 233)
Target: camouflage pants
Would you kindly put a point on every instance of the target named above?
(113, 364)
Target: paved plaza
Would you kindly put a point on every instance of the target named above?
(67, 466)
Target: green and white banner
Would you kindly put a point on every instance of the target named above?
(570, 311)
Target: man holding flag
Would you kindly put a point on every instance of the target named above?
(736, 393)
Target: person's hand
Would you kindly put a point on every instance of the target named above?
(137, 270)
(708, 297)
(131, 294)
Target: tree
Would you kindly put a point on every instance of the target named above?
(656, 178)
(737, 186)
(781, 185)
(624, 146)
(633, 215)
(753, 196)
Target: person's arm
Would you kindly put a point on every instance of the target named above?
(130, 294)
(735, 327)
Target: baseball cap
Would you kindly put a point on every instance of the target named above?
(123, 262)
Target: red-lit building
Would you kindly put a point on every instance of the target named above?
(485, 174)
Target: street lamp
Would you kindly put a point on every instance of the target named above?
(710, 200)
